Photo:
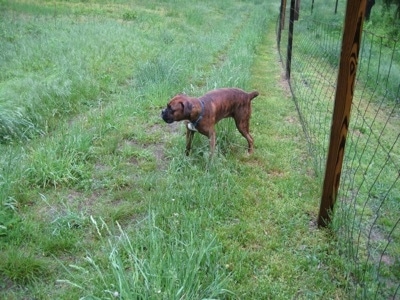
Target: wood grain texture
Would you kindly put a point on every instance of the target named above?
(351, 44)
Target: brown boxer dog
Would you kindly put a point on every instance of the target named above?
(201, 114)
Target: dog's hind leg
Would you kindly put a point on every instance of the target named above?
(243, 127)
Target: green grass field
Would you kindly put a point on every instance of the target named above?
(98, 200)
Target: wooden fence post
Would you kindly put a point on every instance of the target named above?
(351, 43)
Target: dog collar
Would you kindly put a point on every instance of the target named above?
(192, 125)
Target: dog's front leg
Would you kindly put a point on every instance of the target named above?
(189, 140)
(212, 136)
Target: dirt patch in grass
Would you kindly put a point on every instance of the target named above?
(156, 146)
(173, 128)
(284, 83)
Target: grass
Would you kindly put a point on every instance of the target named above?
(98, 199)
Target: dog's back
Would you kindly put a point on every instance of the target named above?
(227, 102)
(228, 94)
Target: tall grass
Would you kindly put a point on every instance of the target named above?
(150, 263)
(107, 203)
(78, 88)
(63, 66)
(8, 204)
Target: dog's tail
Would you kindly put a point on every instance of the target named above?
(253, 95)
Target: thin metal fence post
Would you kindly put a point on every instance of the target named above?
(281, 21)
(290, 39)
(297, 10)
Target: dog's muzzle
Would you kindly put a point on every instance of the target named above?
(166, 116)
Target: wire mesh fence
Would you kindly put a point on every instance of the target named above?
(367, 212)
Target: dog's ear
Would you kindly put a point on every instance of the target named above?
(187, 108)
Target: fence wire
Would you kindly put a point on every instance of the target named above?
(367, 212)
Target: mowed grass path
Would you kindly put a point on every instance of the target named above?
(106, 203)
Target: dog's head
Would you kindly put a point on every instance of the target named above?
(179, 108)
